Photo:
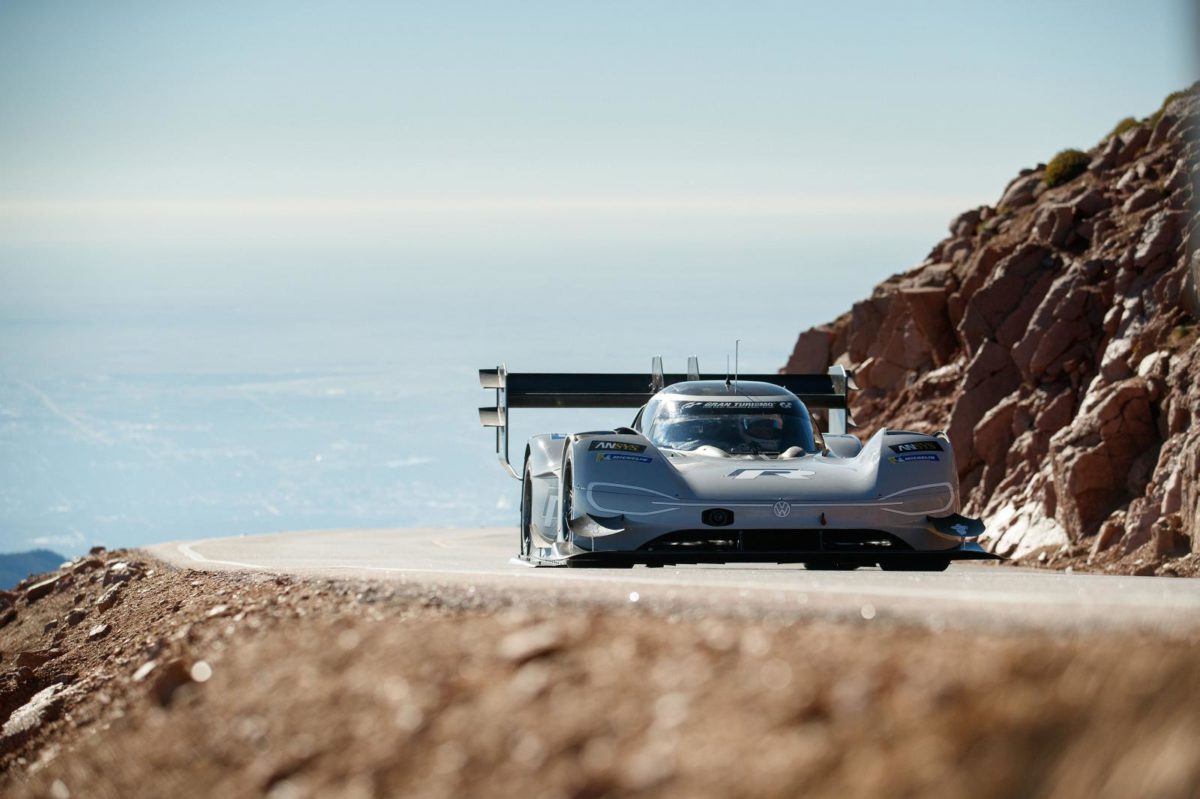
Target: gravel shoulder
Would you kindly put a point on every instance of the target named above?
(191, 683)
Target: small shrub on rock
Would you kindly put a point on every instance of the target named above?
(1067, 165)
(1122, 126)
(1181, 337)
(1170, 98)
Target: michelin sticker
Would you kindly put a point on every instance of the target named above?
(616, 446)
(917, 446)
(918, 457)
(620, 456)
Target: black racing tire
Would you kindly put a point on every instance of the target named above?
(930, 564)
(575, 563)
(568, 501)
(526, 545)
(830, 566)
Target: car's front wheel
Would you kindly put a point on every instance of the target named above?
(830, 566)
(567, 511)
(526, 546)
(933, 564)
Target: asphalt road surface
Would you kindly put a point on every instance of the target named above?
(467, 561)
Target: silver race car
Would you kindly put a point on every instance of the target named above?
(718, 470)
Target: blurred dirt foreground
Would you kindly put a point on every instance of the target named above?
(125, 677)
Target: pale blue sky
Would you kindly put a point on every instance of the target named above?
(143, 102)
(204, 145)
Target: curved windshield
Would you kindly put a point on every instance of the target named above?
(737, 427)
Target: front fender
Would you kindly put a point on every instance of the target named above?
(916, 467)
(619, 464)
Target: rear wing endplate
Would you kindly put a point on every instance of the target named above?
(630, 390)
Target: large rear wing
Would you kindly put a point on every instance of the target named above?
(629, 390)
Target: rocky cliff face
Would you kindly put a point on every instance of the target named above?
(1054, 337)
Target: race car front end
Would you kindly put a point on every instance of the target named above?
(611, 528)
(662, 508)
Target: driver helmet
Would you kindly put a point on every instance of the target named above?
(763, 431)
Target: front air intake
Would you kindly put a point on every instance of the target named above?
(717, 517)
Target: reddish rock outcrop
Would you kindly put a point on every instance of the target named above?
(1055, 338)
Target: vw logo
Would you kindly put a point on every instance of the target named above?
(782, 509)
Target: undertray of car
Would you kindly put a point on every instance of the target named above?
(820, 547)
(776, 541)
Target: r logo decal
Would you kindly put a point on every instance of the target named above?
(787, 474)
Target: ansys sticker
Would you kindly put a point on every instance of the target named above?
(917, 446)
(616, 446)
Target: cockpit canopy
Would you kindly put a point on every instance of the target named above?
(756, 419)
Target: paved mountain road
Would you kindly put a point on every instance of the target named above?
(480, 560)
